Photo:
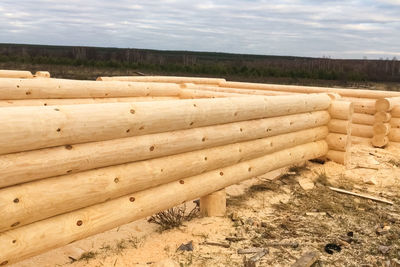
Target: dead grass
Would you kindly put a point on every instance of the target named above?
(173, 217)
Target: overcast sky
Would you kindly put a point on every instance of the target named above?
(315, 28)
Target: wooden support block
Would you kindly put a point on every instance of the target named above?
(307, 260)
(214, 204)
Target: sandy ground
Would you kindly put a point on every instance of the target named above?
(290, 215)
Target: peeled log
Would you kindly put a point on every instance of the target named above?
(190, 93)
(15, 74)
(380, 140)
(341, 110)
(337, 156)
(337, 141)
(374, 94)
(28, 128)
(396, 111)
(395, 123)
(58, 231)
(365, 107)
(27, 166)
(381, 128)
(42, 74)
(366, 119)
(360, 140)
(394, 135)
(382, 117)
(341, 126)
(235, 90)
(387, 104)
(61, 88)
(61, 194)
(76, 101)
(163, 79)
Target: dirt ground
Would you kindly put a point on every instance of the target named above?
(290, 215)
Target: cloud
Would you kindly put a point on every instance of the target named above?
(337, 28)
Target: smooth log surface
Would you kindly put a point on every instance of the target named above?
(337, 141)
(58, 231)
(62, 88)
(27, 166)
(341, 126)
(15, 74)
(366, 119)
(76, 101)
(394, 135)
(214, 204)
(341, 110)
(53, 196)
(28, 128)
(361, 93)
(395, 122)
(163, 79)
(337, 156)
(360, 140)
(395, 112)
(191, 93)
(235, 90)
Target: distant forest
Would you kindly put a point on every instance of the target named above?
(205, 63)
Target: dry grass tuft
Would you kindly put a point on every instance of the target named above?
(174, 217)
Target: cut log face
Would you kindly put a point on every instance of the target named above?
(63, 229)
(382, 117)
(381, 128)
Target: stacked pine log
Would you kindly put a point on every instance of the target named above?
(387, 127)
(71, 171)
(340, 131)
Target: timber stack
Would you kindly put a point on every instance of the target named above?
(78, 158)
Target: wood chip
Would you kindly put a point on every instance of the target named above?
(225, 245)
(361, 195)
(307, 259)
(250, 250)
